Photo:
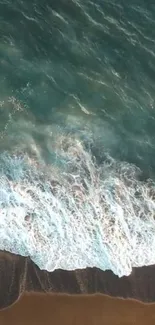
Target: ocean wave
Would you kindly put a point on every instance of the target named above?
(76, 213)
(64, 201)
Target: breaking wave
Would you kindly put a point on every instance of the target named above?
(76, 213)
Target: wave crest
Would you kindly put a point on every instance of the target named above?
(76, 213)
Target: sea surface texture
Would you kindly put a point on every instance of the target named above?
(77, 133)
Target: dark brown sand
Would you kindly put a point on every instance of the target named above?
(19, 274)
(29, 296)
(48, 309)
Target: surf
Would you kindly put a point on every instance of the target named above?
(76, 212)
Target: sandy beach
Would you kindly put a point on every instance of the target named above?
(29, 296)
(19, 274)
(46, 309)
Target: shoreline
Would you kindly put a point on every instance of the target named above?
(40, 308)
(19, 274)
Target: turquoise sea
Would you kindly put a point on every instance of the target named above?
(77, 132)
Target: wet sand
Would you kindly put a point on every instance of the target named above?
(19, 274)
(47, 309)
(29, 296)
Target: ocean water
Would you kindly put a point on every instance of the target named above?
(77, 133)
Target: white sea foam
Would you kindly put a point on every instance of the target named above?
(78, 213)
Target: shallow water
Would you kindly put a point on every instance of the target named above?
(77, 96)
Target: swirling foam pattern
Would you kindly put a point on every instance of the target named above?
(81, 215)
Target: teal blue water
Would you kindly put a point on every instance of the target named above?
(57, 56)
(85, 68)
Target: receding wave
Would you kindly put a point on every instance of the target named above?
(76, 213)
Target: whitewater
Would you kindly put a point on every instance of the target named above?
(77, 133)
(76, 211)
